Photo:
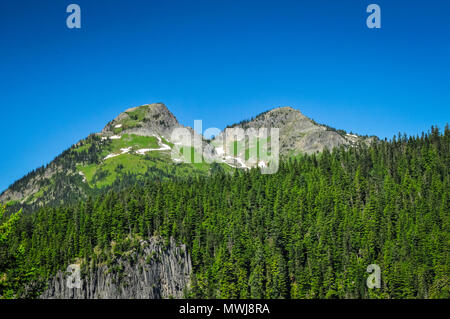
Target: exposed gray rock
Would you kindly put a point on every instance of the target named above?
(145, 120)
(154, 272)
(297, 133)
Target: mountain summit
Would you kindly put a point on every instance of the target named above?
(298, 133)
(145, 120)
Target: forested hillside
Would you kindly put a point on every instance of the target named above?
(308, 231)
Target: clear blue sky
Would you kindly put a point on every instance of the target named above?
(216, 60)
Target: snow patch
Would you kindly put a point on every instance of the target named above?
(118, 126)
(220, 151)
(115, 137)
(110, 156)
(84, 177)
(237, 159)
(163, 147)
(123, 151)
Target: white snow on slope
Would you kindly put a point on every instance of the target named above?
(111, 156)
(123, 151)
(220, 151)
(84, 177)
(163, 147)
(237, 159)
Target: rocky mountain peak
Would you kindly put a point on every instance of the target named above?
(281, 116)
(283, 109)
(148, 119)
(297, 132)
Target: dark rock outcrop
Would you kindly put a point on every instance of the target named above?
(153, 271)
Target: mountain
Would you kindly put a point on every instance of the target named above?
(133, 147)
(298, 134)
(309, 231)
(137, 146)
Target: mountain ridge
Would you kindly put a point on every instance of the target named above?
(137, 145)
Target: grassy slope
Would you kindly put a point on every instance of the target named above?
(135, 118)
(153, 163)
(98, 172)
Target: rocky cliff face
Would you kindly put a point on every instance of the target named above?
(153, 271)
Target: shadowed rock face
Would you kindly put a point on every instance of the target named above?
(151, 272)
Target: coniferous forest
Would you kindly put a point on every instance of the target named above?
(308, 231)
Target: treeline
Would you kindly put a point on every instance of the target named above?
(61, 187)
(308, 231)
(67, 160)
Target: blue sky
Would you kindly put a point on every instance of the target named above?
(216, 60)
